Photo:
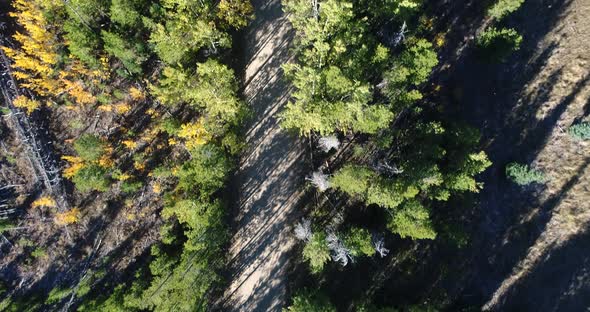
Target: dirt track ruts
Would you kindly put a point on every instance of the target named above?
(271, 172)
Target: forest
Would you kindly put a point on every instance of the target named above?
(294, 155)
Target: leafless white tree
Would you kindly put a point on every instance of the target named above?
(303, 230)
(340, 253)
(328, 143)
(319, 180)
(401, 35)
(379, 244)
(385, 168)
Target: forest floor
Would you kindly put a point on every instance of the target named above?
(530, 245)
(271, 174)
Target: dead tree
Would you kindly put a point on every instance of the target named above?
(303, 230)
(319, 180)
(340, 253)
(37, 151)
(328, 143)
(379, 245)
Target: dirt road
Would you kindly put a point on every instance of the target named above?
(271, 171)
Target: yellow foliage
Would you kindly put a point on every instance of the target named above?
(25, 103)
(45, 201)
(105, 108)
(157, 188)
(67, 217)
(194, 134)
(172, 142)
(439, 40)
(36, 61)
(76, 163)
(136, 94)
(152, 112)
(106, 161)
(122, 108)
(123, 177)
(77, 92)
(130, 144)
(138, 165)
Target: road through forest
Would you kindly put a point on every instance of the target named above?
(271, 173)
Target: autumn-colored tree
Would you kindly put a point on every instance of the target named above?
(45, 201)
(67, 217)
(29, 105)
(194, 134)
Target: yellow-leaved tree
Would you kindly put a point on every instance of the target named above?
(36, 60)
(194, 134)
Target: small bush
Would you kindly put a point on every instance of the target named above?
(89, 147)
(130, 187)
(57, 294)
(92, 177)
(497, 44)
(504, 7)
(38, 253)
(580, 131)
(523, 175)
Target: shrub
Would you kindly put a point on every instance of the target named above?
(91, 177)
(130, 187)
(57, 294)
(89, 147)
(523, 175)
(504, 7)
(497, 44)
(316, 251)
(308, 301)
(580, 131)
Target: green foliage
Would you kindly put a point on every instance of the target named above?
(504, 7)
(204, 173)
(316, 252)
(400, 10)
(5, 224)
(131, 187)
(497, 44)
(89, 147)
(92, 177)
(580, 131)
(213, 88)
(358, 241)
(235, 13)
(410, 69)
(83, 17)
(523, 175)
(310, 301)
(412, 220)
(39, 252)
(130, 53)
(170, 125)
(57, 294)
(332, 89)
(353, 180)
(125, 12)
(188, 28)
(367, 307)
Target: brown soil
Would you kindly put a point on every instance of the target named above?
(271, 172)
